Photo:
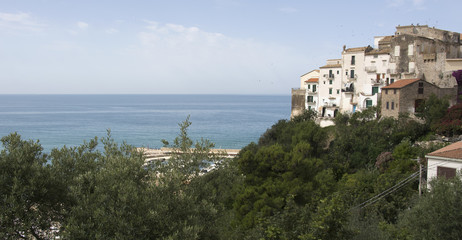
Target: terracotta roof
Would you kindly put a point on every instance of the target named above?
(332, 66)
(312, 80)
(386, 39)
(401, 83)
(358, 49)
(452, 151)
(377, 51)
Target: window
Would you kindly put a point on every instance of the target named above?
(338, 91)
(421, 88)
(309, 107)
(392, 105)
(386, 91)
(388, 105)
(375, 90)
(368, 103)
(396, 51)
(338, 72)
(330, 82)
(330, 74)
(352, 73)
(394, 91)
(445, 172)
(378, 76)
(352, 60)
(410, 50)
(314, 88)
(392, 80)
(310, 99)
(417, 103)
(330, 90)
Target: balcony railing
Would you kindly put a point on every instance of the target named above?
(370, 69)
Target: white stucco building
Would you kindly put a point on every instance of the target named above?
(309, 75)
(312, 87)
(444, 162)
(330, 86)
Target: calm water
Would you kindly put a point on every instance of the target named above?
(230, 121)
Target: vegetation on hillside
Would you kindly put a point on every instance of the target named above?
(355, 180)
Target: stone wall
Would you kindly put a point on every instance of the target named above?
(298, 102)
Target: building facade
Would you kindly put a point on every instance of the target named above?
(357, 80)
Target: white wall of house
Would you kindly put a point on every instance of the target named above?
(330, 86)
(311, 96)
(376, 68)
(353, 71)
(306, 76)
(434, 162)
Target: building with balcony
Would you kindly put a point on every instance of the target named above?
(330, 85)
(312, 86)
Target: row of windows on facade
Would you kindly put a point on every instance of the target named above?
(375, 90)
(392, 105)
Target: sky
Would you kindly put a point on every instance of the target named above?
(191, 47)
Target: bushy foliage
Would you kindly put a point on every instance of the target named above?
(451, 123)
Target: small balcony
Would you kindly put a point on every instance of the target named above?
(371, 69)
(392, 71)
(375, 81)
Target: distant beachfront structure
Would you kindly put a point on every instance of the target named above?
(356, 81)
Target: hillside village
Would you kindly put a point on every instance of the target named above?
(397, 74)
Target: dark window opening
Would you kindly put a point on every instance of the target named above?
(353, 60)
(445, 172)
(417, 103)
(368, 103)
(421, 88)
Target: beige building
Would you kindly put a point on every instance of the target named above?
(405, 96)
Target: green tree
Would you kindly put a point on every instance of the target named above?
(436, 215)
(432, 110)
(29, 205)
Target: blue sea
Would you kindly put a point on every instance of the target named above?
(230, 121)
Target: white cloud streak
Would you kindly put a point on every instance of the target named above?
(197, 60)
(19, 21)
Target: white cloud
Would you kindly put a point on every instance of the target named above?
(82, 25)
(197, 60)
(19, 21)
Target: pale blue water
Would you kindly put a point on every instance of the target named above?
(230, 121)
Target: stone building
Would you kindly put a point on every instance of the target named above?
(422, 52)
(405, 96)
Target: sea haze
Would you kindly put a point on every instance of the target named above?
(230, 121)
